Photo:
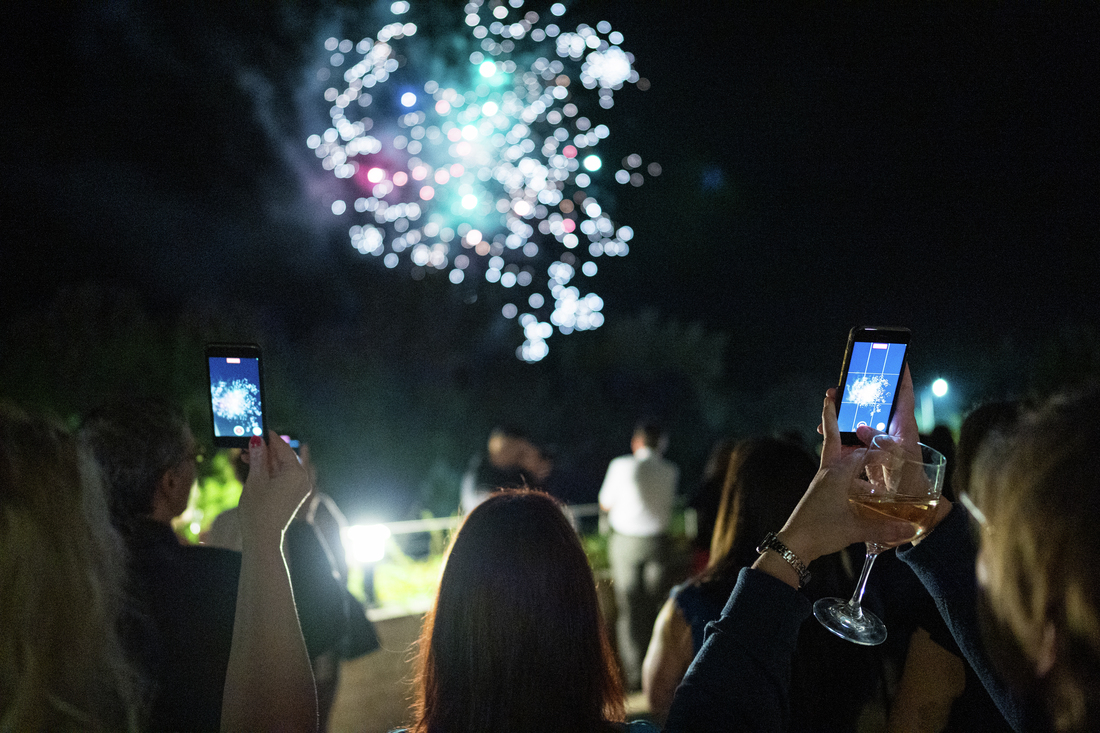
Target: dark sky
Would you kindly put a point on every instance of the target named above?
(822, 168)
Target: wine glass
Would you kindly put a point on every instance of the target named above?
(903, 482)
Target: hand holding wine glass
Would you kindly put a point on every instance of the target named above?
(902, 483)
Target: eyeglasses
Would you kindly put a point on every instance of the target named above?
(977, 514)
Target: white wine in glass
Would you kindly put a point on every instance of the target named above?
(904, 481)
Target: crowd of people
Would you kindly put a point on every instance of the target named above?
(108, 622)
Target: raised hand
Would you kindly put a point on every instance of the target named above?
(823, 522)
(277, 485)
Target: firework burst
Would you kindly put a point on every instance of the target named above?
(488, 172)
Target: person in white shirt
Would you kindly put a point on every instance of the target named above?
(637, 494)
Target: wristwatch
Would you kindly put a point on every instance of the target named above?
(771, 542)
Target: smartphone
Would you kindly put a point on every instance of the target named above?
(869, 379)
(236, 393)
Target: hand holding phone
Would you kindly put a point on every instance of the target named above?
(870, 378)
(236, 394)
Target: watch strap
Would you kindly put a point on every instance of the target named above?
(771, 542)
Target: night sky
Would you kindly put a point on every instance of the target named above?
(823, 167)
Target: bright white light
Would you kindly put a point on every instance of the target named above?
(487, 69)
(469, 201)
(939, 387)
(408, 99)
(399, 8)
(522, 208)
(592, 163)
(365, 543)
(557, 9)
(611, 67)
(339, 207)
(489, 109)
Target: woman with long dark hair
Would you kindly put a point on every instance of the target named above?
(764, 479)
(514, 641)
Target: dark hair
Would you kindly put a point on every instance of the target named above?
(650, 432)
(134, 441)
(983, 420)
(765, 479)
(515, 641)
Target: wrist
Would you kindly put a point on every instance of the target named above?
(800, 543)
(772, 545)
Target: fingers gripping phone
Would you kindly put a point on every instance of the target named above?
(236, 394)
(869, 379)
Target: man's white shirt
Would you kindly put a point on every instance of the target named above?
(638, 492)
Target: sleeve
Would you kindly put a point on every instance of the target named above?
(740, 680)
(610, 482)
(944, 562)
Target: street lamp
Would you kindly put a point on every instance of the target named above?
(927, 404)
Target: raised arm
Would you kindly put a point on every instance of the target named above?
(740, 680)
(269, 683)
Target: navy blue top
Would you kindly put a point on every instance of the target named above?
(740, 680)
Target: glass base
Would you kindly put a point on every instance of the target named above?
(855, 625)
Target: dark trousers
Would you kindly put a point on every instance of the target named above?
(641, 580)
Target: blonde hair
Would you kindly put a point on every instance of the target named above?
(1039, 488)
(62, 571)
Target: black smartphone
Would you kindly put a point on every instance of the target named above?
(869, 379)
(236, 393)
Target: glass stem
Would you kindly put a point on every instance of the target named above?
(857, 596)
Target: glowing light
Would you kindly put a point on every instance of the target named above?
(869, 391)
(365, 543)
(237, 402)
(505, 167)
(939, 387)
(339, 207)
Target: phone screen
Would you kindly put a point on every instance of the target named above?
(867, 396)
(235, 396)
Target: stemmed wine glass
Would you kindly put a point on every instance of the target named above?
(903, 482)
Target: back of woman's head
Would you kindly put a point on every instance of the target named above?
(1039, 488)
(765, 479)
(134, 442)
(61, 574)
(515, 641)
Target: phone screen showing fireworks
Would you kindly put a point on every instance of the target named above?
(236, 395)
(870, 386)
